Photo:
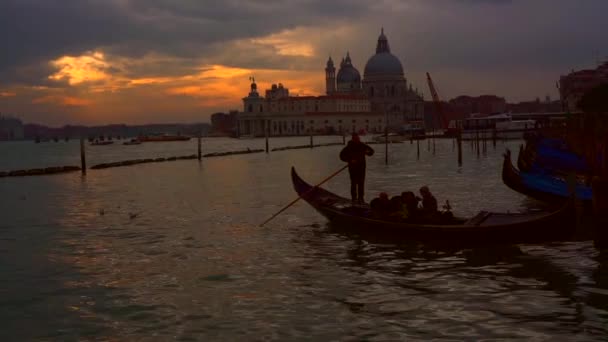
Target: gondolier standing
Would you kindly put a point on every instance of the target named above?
(354, 154)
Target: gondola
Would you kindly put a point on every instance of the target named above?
(483, 228)
(550, 156)
(543, 187)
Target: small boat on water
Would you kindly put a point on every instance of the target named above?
(392, 138)
(132, 142)
(162, 138)
(102, 142)
(483, 228)
(543, 187)
(503, 126)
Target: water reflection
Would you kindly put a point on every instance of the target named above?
(471, 293)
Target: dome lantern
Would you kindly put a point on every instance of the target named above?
(383, 63)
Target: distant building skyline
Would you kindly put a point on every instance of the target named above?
(10, 128)
(575, 84)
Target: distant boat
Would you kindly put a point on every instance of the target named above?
(132, 142)
(392, 138)
(484, 127)
(100, 143)
(162, 138)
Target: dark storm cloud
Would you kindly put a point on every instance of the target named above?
(35, 31)
(32, 31)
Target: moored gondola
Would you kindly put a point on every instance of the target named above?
(483, 228)
(550, 156)
(543, 187)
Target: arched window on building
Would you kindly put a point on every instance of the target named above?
(261, 109)
(250, 108)
(371, 91)
(393, 90)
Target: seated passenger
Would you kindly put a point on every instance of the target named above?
(380, 205)
(410, 205)
(447, 215)
(429, 202)
(396, 205)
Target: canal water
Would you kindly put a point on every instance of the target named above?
(173, 251)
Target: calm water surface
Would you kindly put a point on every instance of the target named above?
(172, 251)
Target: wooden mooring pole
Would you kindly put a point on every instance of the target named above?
(311, 142)
(200, 149)
(600, 206)
(459, 142)
(418, 149)
(477, 144)
(267, 128)
(386, 146)
(83, 159)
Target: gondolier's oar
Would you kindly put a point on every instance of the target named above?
(306, 193)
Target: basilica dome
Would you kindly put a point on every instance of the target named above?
(383, 63)
(348, 76)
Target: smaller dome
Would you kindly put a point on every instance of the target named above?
(348, 73)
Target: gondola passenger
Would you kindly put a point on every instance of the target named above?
(429, 202)
(410, 205)
(380, 205)
(396, 204)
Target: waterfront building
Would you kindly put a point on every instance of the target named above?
(10, 128)
(351, 103)
(573, 86)
(223, 124)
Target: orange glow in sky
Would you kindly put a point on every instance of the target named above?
(206, 88)
(85, 68)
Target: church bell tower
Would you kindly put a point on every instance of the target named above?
(330, 77)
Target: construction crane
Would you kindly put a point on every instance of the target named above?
(437, 103)
(443, 118)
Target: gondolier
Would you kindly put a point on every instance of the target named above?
(354, 154)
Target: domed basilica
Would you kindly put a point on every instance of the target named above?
(351, 104)
(384, 83)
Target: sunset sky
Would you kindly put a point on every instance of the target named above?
(148, 61)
